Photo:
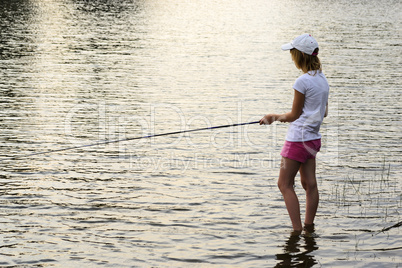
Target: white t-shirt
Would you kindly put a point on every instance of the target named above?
(315, 89)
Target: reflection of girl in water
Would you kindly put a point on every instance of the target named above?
(303, 140)
(293, 254)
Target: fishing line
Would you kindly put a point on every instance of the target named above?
(128, 139)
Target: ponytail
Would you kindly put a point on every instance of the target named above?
(306, 62)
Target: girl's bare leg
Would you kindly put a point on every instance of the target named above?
(287, 173)
(309, 182)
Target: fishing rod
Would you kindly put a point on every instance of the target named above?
(128, 139)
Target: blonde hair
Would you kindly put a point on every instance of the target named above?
(306, 62)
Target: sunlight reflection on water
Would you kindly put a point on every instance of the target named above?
(77, 72)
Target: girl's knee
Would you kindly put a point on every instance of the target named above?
(284, 186)
(309, 185)
(304, 186)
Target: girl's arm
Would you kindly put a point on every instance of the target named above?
(297, 108)
(326, 111)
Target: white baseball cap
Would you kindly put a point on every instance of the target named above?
(304, 43)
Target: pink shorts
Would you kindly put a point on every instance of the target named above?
(301, 151)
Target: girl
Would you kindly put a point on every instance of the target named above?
(303, 140)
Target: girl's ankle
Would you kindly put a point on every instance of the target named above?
(296, 233)
(309, 228)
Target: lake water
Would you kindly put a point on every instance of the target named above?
(78, 72)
